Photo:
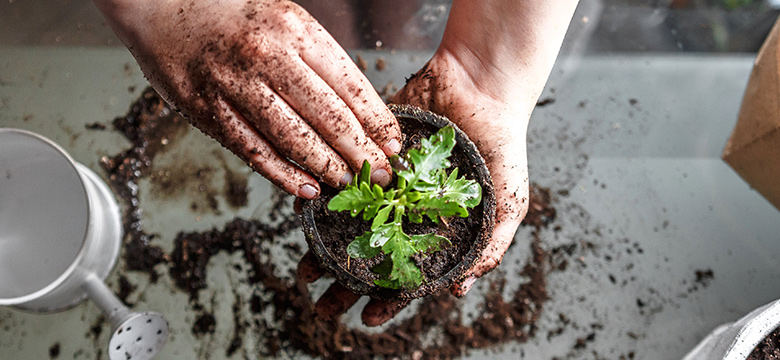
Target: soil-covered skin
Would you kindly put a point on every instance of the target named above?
(767, 349)
(338, 229)
(292, 326)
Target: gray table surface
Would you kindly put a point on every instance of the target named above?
(634, 142)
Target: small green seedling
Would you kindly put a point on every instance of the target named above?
(423, 189)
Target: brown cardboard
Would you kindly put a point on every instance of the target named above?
(753, 150)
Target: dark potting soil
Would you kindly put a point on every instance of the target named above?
(338, 229)
(767, 349)
(293, 325)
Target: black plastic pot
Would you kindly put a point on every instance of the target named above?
(408, 116)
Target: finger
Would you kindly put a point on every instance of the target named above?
(308, 269)
(335, 302)
(284, 128)
(503, 235)
(326, 112)
(378, 312)
(233, 131)
(323, 54)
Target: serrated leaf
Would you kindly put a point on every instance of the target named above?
(357, 198)
(415, 217)
(385, 233)
(405, 272)
(433, 154)
(453, 197)
(360, 247)
(430, 243)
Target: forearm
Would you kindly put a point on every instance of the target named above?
(512, 44)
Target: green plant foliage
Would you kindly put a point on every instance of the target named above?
(423, 189)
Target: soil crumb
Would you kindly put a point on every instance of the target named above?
(125, 289)
(704, 277)
(361, 63)
(97, 327)
(540, 213)
(95, 126)
(544, 102)
(236, 188)
(54, 351)
(204, 324)
(380, 64)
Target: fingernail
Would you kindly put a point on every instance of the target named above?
(392, 147)
(346, 179)
(308, 191)
(381, 177)
(467, 284)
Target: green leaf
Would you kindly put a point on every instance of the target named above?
(360, 195)
(384, 268)
(381, 217)
(378, 192)
(385, 233)
(365, 174)
(360, 247)
(415, 217)
(430, 243)
(413, 196)
(433, 154)
(387, 283)
(453, 197)
(405, 271)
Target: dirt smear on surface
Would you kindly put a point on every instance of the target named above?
(150, 125)
(294, 325)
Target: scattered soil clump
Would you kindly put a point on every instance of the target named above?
(150, 125)
(54, 351)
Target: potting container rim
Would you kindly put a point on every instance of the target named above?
(488, 202)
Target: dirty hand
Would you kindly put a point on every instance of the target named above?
(267, 81)
(486, 77)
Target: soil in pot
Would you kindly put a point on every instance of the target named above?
(767, 349)
(338, 229)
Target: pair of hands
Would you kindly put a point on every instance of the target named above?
(263, 78)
